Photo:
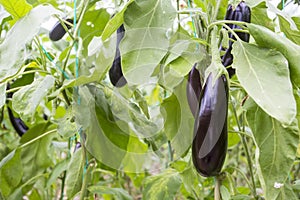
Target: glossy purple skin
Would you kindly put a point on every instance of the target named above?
(17, 123)
(241, 13)
(193, 89)
(58, 31)
(115, 72)
(210, 131)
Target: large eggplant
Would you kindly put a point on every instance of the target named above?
(193, 89)
(210, 131)
(241, 13)
(115, 72)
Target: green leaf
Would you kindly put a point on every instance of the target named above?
(145, 42)
(2, 94)
(266, 38)
(92, 25)
(11, 172)
(286, 192)
(67, 126)
(27, 99)
(114, 23)
(259, 16)
(264, 74)
(293, 35)
(162, 186)
(117, 193)
(276, 147)
(11, 57)
(17, 8)
(75, 173)
(57, 171)
(36, 157)
(178, 119)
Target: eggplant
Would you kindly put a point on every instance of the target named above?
(241, 13)
(193, 89)
(210, 130)
(58, 31)
(17, 123)
(115, 72)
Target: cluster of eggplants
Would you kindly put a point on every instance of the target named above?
(17, 123)
(210, 130)
(241, 13)
(115, 72)
(210, 106)
(58, 31)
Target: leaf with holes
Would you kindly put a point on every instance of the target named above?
(264, 74)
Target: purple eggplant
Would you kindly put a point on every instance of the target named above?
(58, 31)
(210, 130)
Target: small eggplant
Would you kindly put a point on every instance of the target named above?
(58, 31)
(210, 131)
(193, 89)
(115, 72)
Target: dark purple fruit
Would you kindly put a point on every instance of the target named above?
(58, 31)
(193, 89)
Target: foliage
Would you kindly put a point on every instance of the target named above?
(135, 140)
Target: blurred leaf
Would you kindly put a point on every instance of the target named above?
(67, 126)
(146, 23)
(178, 119)
(142, 102)
(75, 173)
(11, 172)
(224, 193)
(264, 74)
(233, 139)
(276, 149)
(266, 38)
(57, 171)
(117, 193)
(11, 57)
(36, 157)
(162, 186)
(2, 94)
(17, 8)
(92, 25)
(27, 99)
(259, 16)
(293, 35)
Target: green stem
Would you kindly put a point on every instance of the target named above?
(244, 142)
(84, 190)
(37, 138)
(217, 193)
(63, 185)
(216, 10)
(170, 151)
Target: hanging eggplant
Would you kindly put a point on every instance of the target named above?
(210, 130)
(115, 72)
(193, 89)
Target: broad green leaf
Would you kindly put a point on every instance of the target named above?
(178, 119)
(117, 193)
(142, 102)
(75, 173)
(11, 172)
(162, 186)
(266, 38)
(57, 171)
(114, 23)
(17, 8)
(293, 35)
(276, 147)
(36, 157)
(264, 75)
(93, 24)
(67, 126)
(259, 16)
(2, 94)
(286, 192)
(11, 57)
(145, 43)
(28, 98)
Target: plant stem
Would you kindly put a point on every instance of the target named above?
(217, 193)
(216, 10)
(85, 183)
(170, 151)
(63, 185)
(37, 138)
(253, 188)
